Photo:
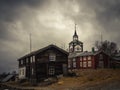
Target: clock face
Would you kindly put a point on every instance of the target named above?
(77, 48)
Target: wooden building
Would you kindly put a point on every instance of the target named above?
(88, 60)
(43, 63)
(79, 59)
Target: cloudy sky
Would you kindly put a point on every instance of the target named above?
(52, 22)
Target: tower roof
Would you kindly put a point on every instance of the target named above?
(75, 33)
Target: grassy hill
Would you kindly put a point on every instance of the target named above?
(105, 79)
(87, 79)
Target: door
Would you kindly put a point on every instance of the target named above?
(51, 70)
(101, 64)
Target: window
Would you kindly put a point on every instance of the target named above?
(51, 70)
(80, 58)
(20, 72)
(101, 56)
(74, 63)
(52, 57)
(27, 61)
(89, 63)
(75, 38)
(33, 58)
(84, 64)
(101, 64)
(80, 64)
(23, 72)
(69, 63)
(84, 58)
(32, 72)
(21, 62)
(89, 57)
(74, 60)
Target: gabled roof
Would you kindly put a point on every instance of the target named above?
(85, 53)
(78, 42)
(42, 49)
(77, 54)
(75, 34)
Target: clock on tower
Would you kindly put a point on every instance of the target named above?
(75, 45)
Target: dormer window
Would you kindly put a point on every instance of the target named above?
(52, 57)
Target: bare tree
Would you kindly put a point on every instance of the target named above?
(107, 46)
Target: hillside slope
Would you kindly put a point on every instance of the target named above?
(100, 79)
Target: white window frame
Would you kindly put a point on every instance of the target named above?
(21, 61)
(52, 57)
(89, 57)
(89, 63)
(51, 70)
(84, 64)
(33, 58)
(22, 72)
(81, 59)
(81, 64)
(74, 63)
(84, 58)
(69, 63)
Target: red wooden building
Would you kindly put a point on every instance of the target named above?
(85, 60)
(79, 59)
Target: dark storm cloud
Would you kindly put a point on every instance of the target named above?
(107, 13)
(54, 18)
(10, 11)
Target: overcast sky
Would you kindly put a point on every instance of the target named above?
(52, 22)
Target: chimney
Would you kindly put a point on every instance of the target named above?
(93, 49)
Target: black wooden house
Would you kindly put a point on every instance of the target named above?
(43, 63)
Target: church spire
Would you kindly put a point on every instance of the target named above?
(75, 36)
(75, 33)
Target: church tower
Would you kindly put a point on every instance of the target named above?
(75, 45)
